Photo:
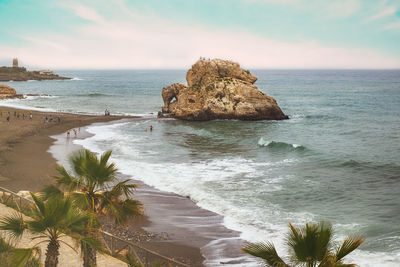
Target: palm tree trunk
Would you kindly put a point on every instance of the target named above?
(52, 254)
(89, 255)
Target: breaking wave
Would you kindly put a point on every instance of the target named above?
(279, 145)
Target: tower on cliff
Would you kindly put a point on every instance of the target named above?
(15, 63)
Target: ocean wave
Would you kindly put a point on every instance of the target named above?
(389, 170)
(205, 181)
(20, 105)
(32, 97)
(97, 95)
(279, 145)
(322, 117)
(76, 79)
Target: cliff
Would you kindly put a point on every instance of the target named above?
(21, 74)
(219, 89)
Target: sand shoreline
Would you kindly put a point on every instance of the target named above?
(170, 219)
(173, 225)
(27, 164)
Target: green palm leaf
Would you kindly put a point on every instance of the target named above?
(310, 245)
(348, 245)
(66, 180)
(265, 251)
(14, 224)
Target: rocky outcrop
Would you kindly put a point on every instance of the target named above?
(8, 92)
(21, 74)
(219, 89)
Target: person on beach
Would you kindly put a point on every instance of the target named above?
(75, 131)
(68, 133)
(23, 116)
(51, 118)
(151, 128)
(8, 117)
(58, 119)
(30, 116)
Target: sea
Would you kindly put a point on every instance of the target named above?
(336, 159)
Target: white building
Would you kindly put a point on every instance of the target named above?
(47, 72)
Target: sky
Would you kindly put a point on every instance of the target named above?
(157, 34)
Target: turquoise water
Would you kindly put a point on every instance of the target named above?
(336, 159)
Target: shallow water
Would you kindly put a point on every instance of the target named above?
(336, 159)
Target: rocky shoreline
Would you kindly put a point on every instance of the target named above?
(7, 92)
(21, 74)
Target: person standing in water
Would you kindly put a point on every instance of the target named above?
(151, 128)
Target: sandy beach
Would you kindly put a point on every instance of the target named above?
(26, 164)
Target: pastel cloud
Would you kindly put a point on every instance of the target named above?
(137, 40)
(384, 13)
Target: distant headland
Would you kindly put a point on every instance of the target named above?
(16, 73)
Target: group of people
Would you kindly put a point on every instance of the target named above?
(106, 112)
(17, 115)
(50, 118)
(75, 132)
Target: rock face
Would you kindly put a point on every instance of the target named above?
(219, 89)
(8, 92)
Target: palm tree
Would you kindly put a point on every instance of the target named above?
(310, 245)
(50, 220)
(18, 257)
(96, 189)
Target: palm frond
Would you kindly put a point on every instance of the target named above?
(348, 245)
(66, 180)
(5, 246)
(94, 243)
(80, 200)
(309, 243)
(77, 161)
(121, 210)
(14, 224)
(51, 191)
(75, 221)
(122, 188)
(39, 204)
(265, 251)
(22, 256)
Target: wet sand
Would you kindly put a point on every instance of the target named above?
(173, 225)
(27, 164)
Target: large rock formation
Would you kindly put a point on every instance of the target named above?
(8, 92)
(219, 89)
